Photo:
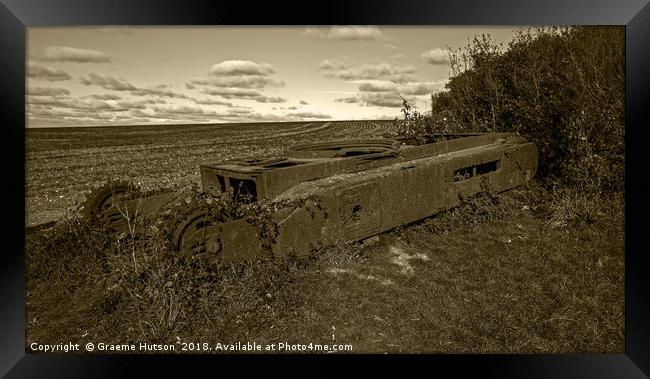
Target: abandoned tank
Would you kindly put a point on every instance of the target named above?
(323, 193)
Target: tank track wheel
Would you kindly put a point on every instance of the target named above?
(194, 229)
(98, 209)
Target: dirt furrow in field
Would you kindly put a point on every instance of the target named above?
(194, 142)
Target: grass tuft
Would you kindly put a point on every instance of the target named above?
(493, 275)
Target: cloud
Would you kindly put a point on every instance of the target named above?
(47, 116)
(153, 101)
(383, 93)
(36, 71)
(270, 99)
(183, 109)
(47, 101)
(244, 94)
(47, 112)
(40, 91)
(83, 104)
(348, 100)
(303, 102)
(292, 108)
(199, 114)
(410, 88)
(377, 86)
(313, 32)
(66, 111)
(237, 110)
(381, 84)
(157, 91)
(436, 56)
(73, 54)
(381, 99)
(231, 93)
(220, 102)
(375, 71)
(355, 33)
(239, 67)
(422, 88)
(240, 81)
(377, 99)
(310, 115)
(107, 96)
(347, 33)
(113, 83)
(331, 64)
(127, 105)
(108, 82)
(213, 102)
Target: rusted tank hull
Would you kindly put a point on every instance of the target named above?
(357, 205)
(333, 192)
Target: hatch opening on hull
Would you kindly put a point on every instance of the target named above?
(467, 172)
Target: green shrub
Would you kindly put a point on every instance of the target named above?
(561, 87)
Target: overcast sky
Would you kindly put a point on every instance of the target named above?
(145, 75)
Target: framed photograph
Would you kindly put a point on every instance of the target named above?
(456, 185)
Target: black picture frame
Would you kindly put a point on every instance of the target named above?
(16, 15)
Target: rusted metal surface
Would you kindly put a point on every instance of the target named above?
(348, 191)
(115, 204)
(404, 189)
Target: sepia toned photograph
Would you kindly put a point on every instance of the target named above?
(325, 189)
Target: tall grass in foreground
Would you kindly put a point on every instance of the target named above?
(84, 285)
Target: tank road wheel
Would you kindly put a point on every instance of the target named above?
(99, 208)
(196, 231)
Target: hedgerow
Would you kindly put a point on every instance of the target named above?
(561, 87)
